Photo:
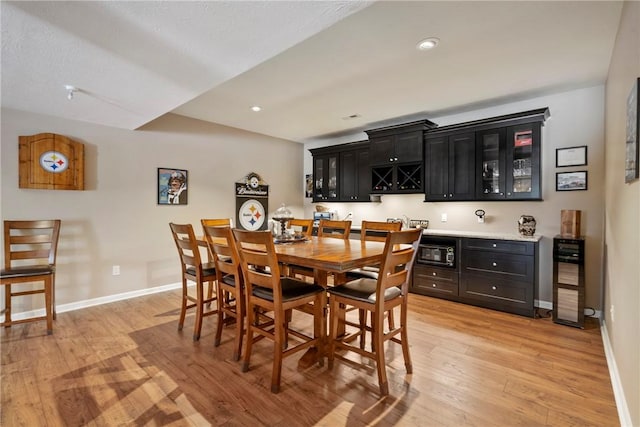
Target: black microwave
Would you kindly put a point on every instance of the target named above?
(443, 255)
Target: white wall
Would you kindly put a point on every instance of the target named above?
(116, 220)
(622, 272)
(577, 118)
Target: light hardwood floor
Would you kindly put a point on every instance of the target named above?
(125, 363)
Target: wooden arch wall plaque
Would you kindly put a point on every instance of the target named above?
(51, 162)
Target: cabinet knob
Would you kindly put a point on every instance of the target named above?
(444, 195)
(433, 285)
(395, 159)
(450, 194)
(495, 246)
(434, 273)
(508, 194)
(494, 264)
(391, 159)
(494, 288)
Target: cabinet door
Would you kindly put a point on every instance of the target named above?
(325, 178)
(381, 149)
(408, 147)
(437, 169)
(523, 162)
(491, 164)
(355, 179)
(462, 166)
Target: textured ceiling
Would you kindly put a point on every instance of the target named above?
(309, 64)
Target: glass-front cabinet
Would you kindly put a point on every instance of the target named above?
(509, 162)
(325, 177)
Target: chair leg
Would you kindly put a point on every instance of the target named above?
(278, 348)
(240, 315)
(197, 328)
(48, 304)
(249, 338)
(183, 308)
(336, 314)
(7, 305)
(405, 339)
(220, 316)
(378, 333)
(53, 295)
(390, 319)
(362, 319)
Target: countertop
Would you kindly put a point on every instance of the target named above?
(482, 235)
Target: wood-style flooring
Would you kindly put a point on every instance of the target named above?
(125, 364)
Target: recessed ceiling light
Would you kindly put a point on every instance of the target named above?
(428, 43)
(256, 108)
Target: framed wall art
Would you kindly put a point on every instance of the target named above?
(570, 181)
(571, 156)
(631, 143)
(172, 186)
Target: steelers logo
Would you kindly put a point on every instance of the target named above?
(54, 161)
(252, 215)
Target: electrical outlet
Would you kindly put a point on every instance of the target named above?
(443, 217)
(116, 270)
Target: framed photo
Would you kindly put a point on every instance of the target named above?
(631, 147)
(172, 186)
(571, 156)
(570, 181)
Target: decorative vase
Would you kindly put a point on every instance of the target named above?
(527, 225)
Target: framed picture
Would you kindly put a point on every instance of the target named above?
(570, 181)
(172, 186)
(631, 147)
(571, 156)
(308, 185)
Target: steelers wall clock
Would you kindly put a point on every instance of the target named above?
(252, 202)
(50, 162)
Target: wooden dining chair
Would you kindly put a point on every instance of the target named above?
(30, 249)
(193, 269)
(267, 291)
(390, 290)
(301, 226)
(334, 228)
(231, 299)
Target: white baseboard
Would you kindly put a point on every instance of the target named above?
(618, 391)
(95, 301)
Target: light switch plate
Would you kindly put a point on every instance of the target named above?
(443, 217)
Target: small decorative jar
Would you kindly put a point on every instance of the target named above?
(527, 225)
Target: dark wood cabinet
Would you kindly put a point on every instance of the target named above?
(499, 274)
(396, 154)
(341, 173)
(434, 281)
(355, 177)
(450, 167)
(490, 159)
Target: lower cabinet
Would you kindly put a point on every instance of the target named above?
(493, 273)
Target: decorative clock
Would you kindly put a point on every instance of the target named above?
(51, 162)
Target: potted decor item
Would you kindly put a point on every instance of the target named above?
(527, 225)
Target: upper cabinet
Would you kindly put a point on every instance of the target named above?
(490, 159)
(396, 154)
(341, 173)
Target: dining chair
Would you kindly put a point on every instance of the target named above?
(193, 269)
(231, 299)
(301, 226)
(390, 290)
(267, 290)
(30, 249)
(334, 228)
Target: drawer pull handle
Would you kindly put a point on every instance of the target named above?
(495, 264)
(495, 246)
(494, 288)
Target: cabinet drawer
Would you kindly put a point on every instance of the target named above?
(502, 246)
(500, 292)
(519, 267)
(434, 281)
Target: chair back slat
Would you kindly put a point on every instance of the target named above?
(334, 228)
(35, 241)
(187, 245)
(222, 246)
